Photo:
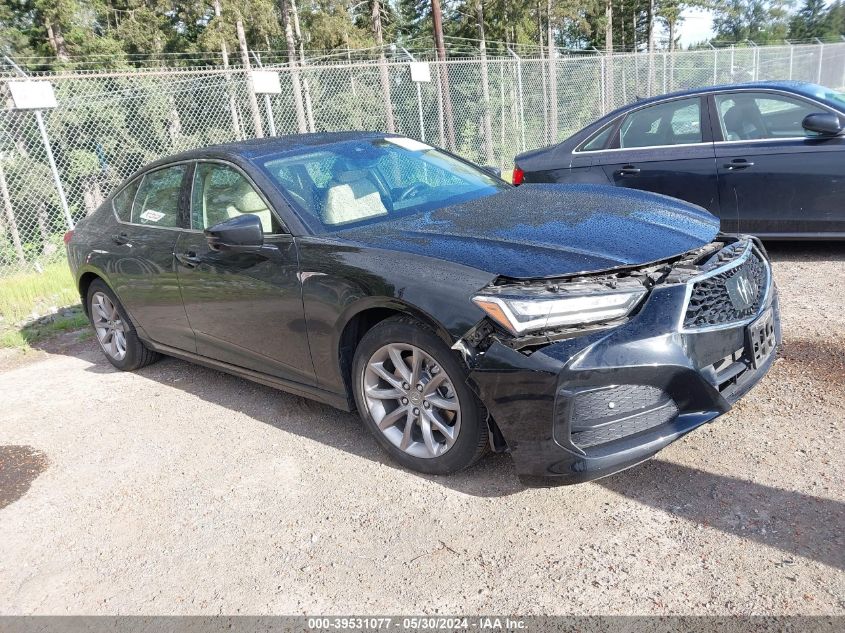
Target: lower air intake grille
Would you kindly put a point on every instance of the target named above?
(604, 415)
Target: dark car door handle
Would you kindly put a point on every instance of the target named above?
(629, 170)
(739, 163)
(189, 259)
(121, 238)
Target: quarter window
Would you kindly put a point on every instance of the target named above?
(157, 200)
(674, 123)
(598, 140)
(755, 115)
(221, 193)
(122, 202)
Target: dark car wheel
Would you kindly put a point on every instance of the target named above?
(114, 331)
(411, 391)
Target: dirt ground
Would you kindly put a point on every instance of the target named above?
(179, 489)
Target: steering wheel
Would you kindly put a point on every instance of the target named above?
(412, 191)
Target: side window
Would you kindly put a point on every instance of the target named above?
(758, 115)
(157, 200)
(598, 140)
(673, 123)
(122, 202)
(220, 193)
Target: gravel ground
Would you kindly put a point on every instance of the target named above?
(178, 489)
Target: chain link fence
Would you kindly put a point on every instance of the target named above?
(108, 124)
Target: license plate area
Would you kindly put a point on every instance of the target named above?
(760, 339)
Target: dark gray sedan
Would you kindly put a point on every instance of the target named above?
(767, 158)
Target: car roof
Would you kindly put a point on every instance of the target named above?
(254, 148)
(799, 87)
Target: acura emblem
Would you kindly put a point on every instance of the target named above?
(741, 290)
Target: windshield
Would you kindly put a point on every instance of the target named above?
(826, 94)
(371, 181)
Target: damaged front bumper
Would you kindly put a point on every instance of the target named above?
(581, 405)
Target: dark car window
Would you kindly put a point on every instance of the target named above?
(598, 140)
(122, 202)
(157, 200)
(220, 193)
(370, 181)
(755, 115)
(673, 123)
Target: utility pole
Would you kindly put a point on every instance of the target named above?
(224, 52)
(301, 125)
(309, 111)
(437, 19)
(253, 101)
(485, 85)
(384, 74)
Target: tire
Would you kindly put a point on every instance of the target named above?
(106, 314)
(440, 440)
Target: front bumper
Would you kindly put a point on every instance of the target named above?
(589, 406)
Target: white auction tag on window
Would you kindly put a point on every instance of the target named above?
(151, 216)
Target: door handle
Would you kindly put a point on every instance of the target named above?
(629, 170)
(121, 238)
(738, 163)
(189, 259)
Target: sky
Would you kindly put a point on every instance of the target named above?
(696, 27)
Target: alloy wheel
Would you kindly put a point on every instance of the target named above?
(412, 400)
(109, 326)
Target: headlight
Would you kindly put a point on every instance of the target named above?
(583, 304)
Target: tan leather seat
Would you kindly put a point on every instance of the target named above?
(352, 196)
(244, 199)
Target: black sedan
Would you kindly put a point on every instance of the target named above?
(767, 158)
(580, 328)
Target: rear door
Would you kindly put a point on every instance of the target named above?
(667, 148)
(772, 175)
(143, 274)
(245, 308)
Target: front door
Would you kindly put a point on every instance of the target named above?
(142, 270)
(666, 148)
(776, 178)
(245, 308)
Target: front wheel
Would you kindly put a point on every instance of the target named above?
(115, 332)
(411, 392)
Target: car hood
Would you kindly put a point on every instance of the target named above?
(548, 230)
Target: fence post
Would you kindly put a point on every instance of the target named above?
(11, 223)
(419, 96)
(603, 84)
(791, 57)
(61, 191)
(842, 85)
(715, 63)
(267, 103)
(519, 92)
(821, 57)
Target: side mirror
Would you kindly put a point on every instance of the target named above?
(492, 169)
(241, 234)
(822, 123)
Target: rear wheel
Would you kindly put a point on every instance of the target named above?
(114, 331)
(411, 391)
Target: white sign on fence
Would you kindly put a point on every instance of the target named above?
(420, 72)
(265, 82)
(32, 95)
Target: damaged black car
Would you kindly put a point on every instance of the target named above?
(579, 328)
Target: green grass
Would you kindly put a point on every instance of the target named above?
(28, 302)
